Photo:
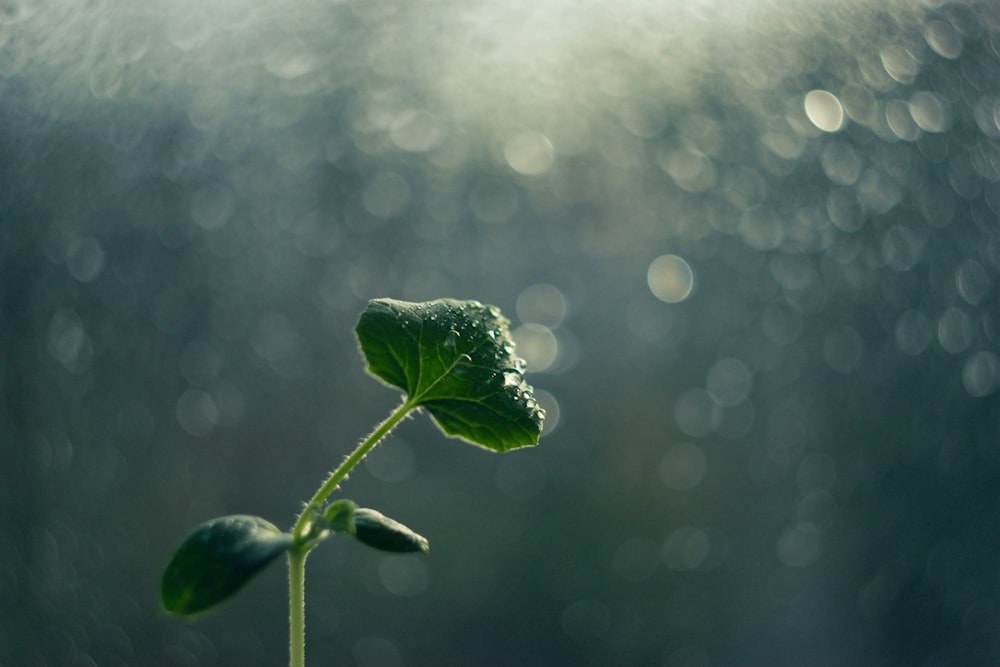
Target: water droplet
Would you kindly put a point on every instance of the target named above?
(670, 278)
(451, 341)
(824, 110)
(981, 375)
(512, 378)
(944, 39)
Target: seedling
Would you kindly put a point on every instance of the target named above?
(455, 359)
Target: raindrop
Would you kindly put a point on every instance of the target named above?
(197, 412)
(729, 382)
(898, 116)
(963, 177)
(550, 405)
(929, 112)
(68, 342)
(670, 278)
(289, 60)
(691, 169)
(954, 331)
(824, 110)
(85, 259)
(899, 63)
(841, 163)
(981, 374)
(902, 247)
(844, 209)
(529, 153)
(877, 191)
(694, 412)
(972, 281)
(541, 304)
(944, 39)
(686, 549)
(784, 141)
(416, 131)
(537, 344)
(859, 103)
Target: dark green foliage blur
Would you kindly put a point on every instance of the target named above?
(750, 252)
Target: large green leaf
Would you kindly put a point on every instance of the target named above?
(456, 359)
(217, 559)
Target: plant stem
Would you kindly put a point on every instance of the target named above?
(298, 552)
(297, 607)
(353, 459)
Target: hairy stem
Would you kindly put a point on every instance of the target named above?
(300, 533)
(297, 607)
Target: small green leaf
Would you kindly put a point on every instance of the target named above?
(217, 559)
(339, 515)
(379, 531)
(456, 359)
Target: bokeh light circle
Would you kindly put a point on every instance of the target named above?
(670, 278)
(824, 110)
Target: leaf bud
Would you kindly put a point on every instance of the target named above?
(379, 531)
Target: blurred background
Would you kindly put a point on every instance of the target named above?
(750, 252)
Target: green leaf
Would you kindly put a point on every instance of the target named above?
(217, 559)
(339, 515)
(456, 359)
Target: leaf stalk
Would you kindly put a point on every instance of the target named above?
(302, 543)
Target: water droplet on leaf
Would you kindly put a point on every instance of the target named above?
(512, 378)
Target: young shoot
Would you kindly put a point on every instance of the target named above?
(453, 358)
